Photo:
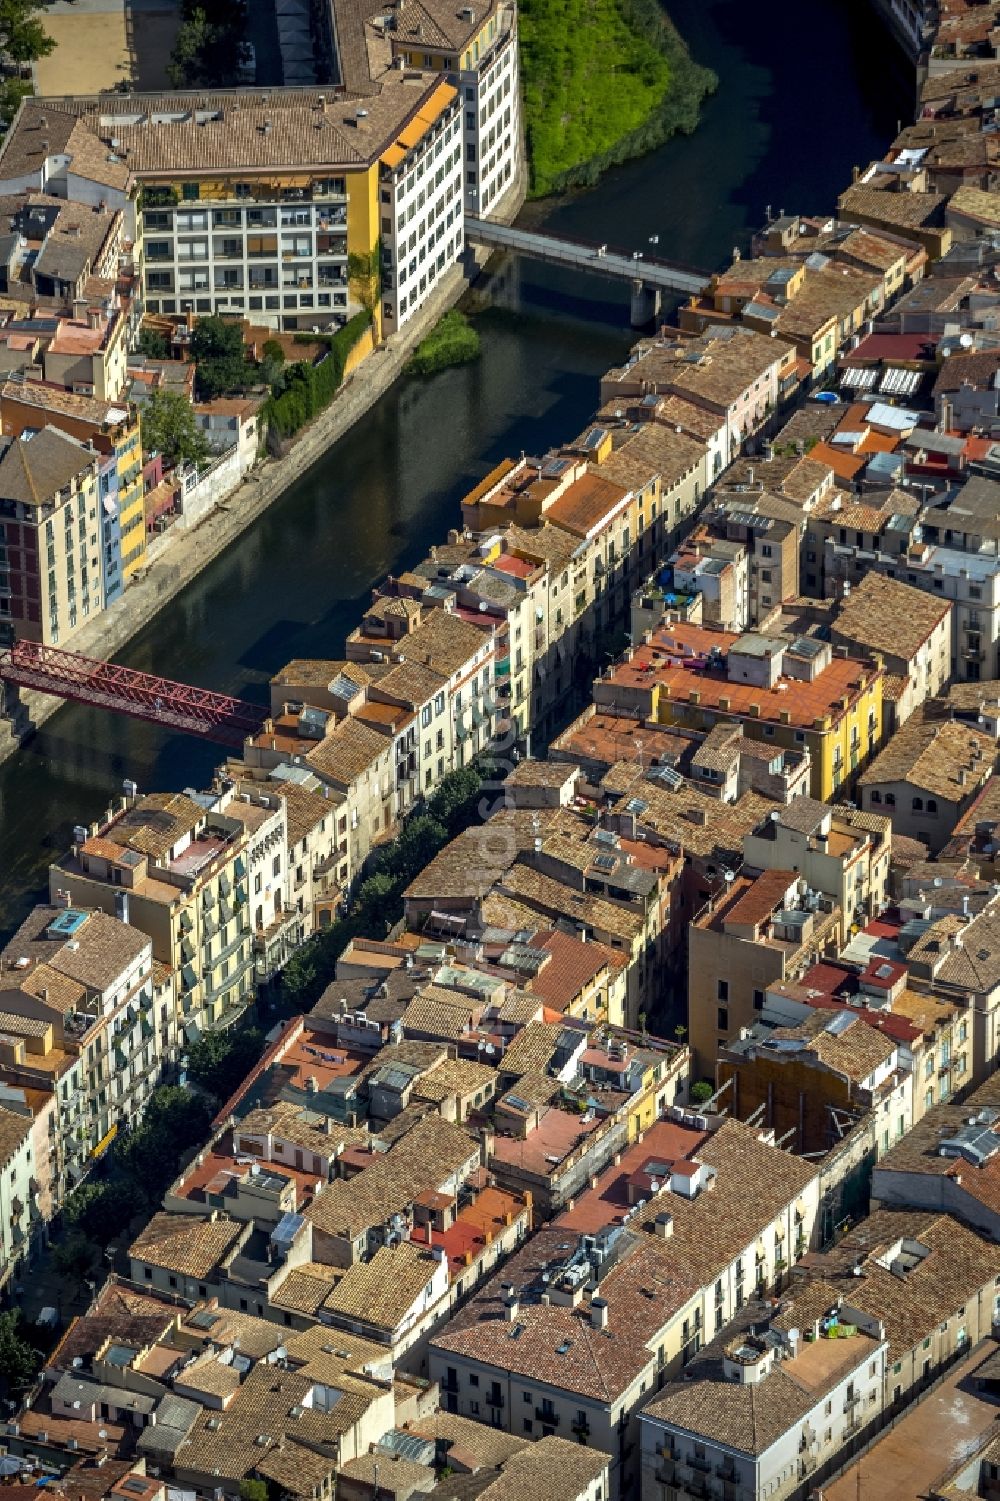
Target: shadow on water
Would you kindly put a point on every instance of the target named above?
(297, 581)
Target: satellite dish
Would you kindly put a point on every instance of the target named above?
(966, 341)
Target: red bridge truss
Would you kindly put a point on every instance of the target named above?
(194, 711)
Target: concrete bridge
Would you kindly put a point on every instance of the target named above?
(648, 277)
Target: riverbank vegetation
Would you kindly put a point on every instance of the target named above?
(300, 391)
(604, 80)
(453, 341)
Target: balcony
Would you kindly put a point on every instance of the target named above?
(545, 1415)
(495, 1399)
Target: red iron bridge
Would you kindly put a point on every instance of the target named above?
(85, 680)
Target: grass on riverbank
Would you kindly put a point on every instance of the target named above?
(453, 341)
(604, 80)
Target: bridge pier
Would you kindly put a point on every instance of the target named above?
(645, 304)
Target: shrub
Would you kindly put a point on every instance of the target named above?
(308, 389)
(453, 342)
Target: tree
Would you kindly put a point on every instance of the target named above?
(218, 352)
(364, 275)
(455, 798)
(12, 91)
(220, 1061)
(169, 427)
(701, 1092)
(74, 1256)
(378, 901)
(100, 1211)
(153, 344)
(253, 1490)
(19, 1361)
(22, 35)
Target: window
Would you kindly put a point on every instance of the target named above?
(758, 1000)
(917, 805)
(722, 1019)
(722, 990)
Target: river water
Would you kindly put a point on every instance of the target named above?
(806, 92)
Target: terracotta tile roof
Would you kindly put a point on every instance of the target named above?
(751, 1417)
(854, 1051)
(429, 1153)
(34, 469)
(759, 900)
(885, 615)
(930, 755)
(556, 1344)
(380, 1292)
(586, 505)
(554, 899)
(348, 750)
(305, 1287)
(185, 1243)
(958, 1265)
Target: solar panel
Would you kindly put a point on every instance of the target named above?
(606, 862)
(516, 1103)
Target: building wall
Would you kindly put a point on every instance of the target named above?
(421, 218)
(279, 258)
(725, 976)
(932, 822)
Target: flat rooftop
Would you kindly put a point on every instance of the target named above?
(221, 1164)
(664, 1143)
(552, 1140)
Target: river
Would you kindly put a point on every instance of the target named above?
(806, 92)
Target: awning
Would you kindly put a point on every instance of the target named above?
(105, 1142)
(192, 1032)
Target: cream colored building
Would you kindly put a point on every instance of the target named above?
(51, 575)
(178, 870)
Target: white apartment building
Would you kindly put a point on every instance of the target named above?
(420, 208)
(763, 1410)
(489, 85)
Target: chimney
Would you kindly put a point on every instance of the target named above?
(598, 1313)
(430, 1233)
(511, 1303)
(663, 1225)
